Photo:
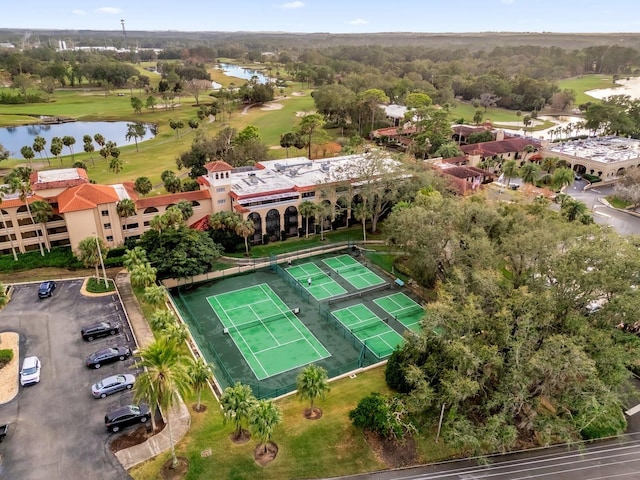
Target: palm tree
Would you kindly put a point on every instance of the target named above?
(38, 146)
(42, 212)
(263, 418)
(89, 147)
(510, 170)
(27, 153)
(200, 374)
(155, 295)
(116, 163)
(529, 172)
(307, 209)
(161, 319)
(245, 229)
(143, 275)
(186, 208)
(133, 257)
(163, 381)
(90, 252)
(69, 141)
(573, 209)
(361, 212)
(236, 403)
(311, 384)
(125, 209)
(324, 210)
(135, 130)
(3, 191)
(24, 189)
(176, 333)
(56, 148)
(562, 177)
(549, 164)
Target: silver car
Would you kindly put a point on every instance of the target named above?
(112, 384)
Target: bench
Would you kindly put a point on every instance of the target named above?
(399, 282)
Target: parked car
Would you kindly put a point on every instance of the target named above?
(112, 384)
(107, 355)
(100, 329)
(46, 289)
(128, 415)
(30, 372)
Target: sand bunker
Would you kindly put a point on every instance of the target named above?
(271, 106)
(304, 114)
(298, 94)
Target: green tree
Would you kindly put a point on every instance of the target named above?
(448, 150)
(88, 147)
(90, 250)
(163, 381)
(69, 141)
(136, 131)
(573, 209)
(417, 100)
(478, 116)
(309, 125)
(42, 212)
(312, 383)
(143, 185)
(28, 154)
(529, 172)
(245, 229)
(510, 170)
(264, 416)
(307, 209)
(133, 257)
(56, 148)
(136, 104)
(125, 209)
(161, 320)
(142, 275)
(371, 99)
(186, 209)
(200, 373)
(237, 402)
(155, 295)
(172, 183)
(562, 177)
(39, 144)
(116, 163)
(23, 187)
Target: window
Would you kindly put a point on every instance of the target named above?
(222, 202)
(220, 189)
(308, 194)
(107, 226)
(150, 210)
(195, 203)
(109, 238)
(105, 213)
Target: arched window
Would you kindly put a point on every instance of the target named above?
(22, 208)
(195, 203)
(150, 210)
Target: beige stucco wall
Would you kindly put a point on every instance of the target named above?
(82, 224)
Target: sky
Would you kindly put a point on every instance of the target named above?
(332, 16)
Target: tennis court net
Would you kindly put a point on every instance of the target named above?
(366, 325)
(409, 312)
(259, 321)
(349, 268)
(359, 294)
(313, 276)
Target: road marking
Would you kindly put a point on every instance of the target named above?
(602, 214)
(633, 411)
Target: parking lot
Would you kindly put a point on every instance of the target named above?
(56, 427)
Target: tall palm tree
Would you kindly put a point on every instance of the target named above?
(90, 252)
(42, 212)
(573, 209)
(324, 211)
(3, 191)
(116, 163)
(312, 383)
(562, 177)
(143, 275)
(161, 319)
(163, 381)
(27, 153)
(200, 374)
(361, 212)
(125, 209)
(56, 148)
(24, 189)
(263, 418)
(510, 170)
(135, 130)
(155, 295)
(245, 229)
(88, 147)
(133, 257)
(529, 172)
(69, 141)
(237, 402)
(307, 209)
(39, 144)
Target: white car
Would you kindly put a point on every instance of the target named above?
(112, 384)
(30, 372)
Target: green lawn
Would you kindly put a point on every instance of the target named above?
(584, 83)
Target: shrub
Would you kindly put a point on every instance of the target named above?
(59, 257)
(6, 355)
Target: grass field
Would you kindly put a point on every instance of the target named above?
(585, 83)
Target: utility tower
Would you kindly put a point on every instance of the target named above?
(124, 32)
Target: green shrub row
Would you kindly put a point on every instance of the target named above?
(59, 257)
(6, 355)
(591, 178)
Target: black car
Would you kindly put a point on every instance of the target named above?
(46, 289)
(128, 415)
(107, 355)
(100, 329)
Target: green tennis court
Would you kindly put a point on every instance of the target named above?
(403, 309)
(369, 329)
(353, 271)
(267, 333)
(322, 286)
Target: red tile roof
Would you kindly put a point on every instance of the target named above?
(85, 197)
(498, 147)
(172, 198)
(38, 184)
(218, 166)
(16, 202)
(202, 224)
(464, 172)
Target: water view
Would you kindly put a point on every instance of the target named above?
(14, 138)
(237, 71)
(629, 87)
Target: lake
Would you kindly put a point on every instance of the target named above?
(14, 138)
(237, 71)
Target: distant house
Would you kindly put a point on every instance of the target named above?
(464, 179)
(503, 149)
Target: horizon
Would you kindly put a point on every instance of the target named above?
(332, 17)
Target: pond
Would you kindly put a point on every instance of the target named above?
(14, 138)
(237, 71)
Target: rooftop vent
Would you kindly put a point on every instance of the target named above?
(253, 179)
(325, 166)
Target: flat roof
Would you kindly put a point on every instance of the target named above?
(600, 149)
(61, 174)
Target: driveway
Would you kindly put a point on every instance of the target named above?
(56, 427)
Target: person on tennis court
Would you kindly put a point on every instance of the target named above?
(309, 281)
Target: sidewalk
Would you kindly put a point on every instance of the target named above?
(178, 416)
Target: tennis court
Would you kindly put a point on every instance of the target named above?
(353, 271)
(403, 309)
(322, 286)
(267, 333)
(369, 329)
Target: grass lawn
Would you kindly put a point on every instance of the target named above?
(584, 83)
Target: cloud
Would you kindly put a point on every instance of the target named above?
(109, 10)
(78, 12)
(358, 21)
(291, 5)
